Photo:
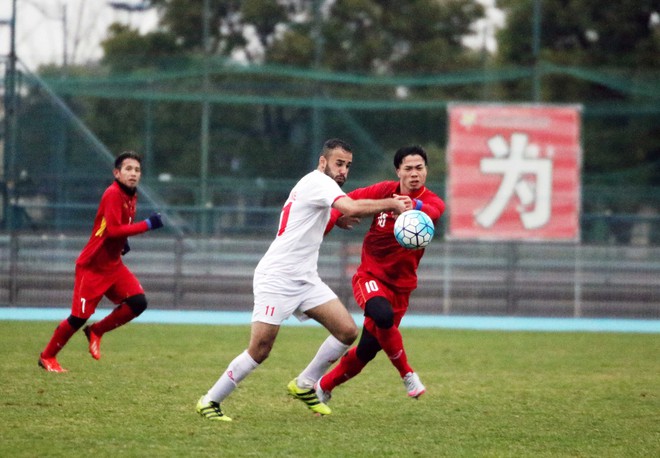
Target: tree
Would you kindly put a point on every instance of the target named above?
(380, 36)
(362, 37)
(240, 29)
(125, 49)
(373, 36)
(588, 32)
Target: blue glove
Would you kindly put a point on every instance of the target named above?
(154, 221)
(126, 249)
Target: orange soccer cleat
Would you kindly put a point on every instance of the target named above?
(94, 342)
(50, 364)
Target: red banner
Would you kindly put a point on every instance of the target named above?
(514, 172)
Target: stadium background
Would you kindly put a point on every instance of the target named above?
(253, 129)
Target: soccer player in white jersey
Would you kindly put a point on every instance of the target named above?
(286, 281)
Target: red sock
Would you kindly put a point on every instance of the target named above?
(391, 341)
(61, 336)
(349, 366)
(121, 315)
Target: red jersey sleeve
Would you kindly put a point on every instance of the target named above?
(114, 215)
(334, 216)
(432, 205)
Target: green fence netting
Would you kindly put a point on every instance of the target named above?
(224, 142)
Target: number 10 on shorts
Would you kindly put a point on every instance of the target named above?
(371, 286)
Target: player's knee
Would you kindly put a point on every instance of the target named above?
(380, 310)
(348, 333)
(137, 304)
(76, 322)
(365, 354)
(353, 334)
(260, 350)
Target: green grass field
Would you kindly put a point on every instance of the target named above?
(490, 394)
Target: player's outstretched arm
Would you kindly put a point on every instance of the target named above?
(364, 207)
(154, 221)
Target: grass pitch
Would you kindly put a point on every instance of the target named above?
(518, 394)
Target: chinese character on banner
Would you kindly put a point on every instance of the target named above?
(514, 172)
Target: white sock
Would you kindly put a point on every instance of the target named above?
(237, 370)
(329, 352)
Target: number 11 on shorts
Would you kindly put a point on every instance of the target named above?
(270, 310)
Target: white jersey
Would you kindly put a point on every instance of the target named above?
(295, 251)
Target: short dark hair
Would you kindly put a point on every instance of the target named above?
(333, 143)
(127, 155)
(409, 151)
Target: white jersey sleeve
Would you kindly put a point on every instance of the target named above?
(295, 250)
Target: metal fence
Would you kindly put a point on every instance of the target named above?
(61, 134)
(455, 278)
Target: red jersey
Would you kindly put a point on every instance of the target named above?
(382, 256)
(113, 224)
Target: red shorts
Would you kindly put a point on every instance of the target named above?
(365, 287)
(90, 286)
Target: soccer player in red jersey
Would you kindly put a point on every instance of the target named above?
(99, 267)
(386, 276)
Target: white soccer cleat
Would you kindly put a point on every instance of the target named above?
(413, 385)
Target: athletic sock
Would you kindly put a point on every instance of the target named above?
(391, 342)
(330, 351)
(348, 367)
(121, 315)
(236, 371)
(61, 336)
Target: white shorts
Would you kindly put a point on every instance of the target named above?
(277, 298)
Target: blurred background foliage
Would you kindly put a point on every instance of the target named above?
(229, 101)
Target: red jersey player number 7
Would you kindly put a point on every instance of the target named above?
(99, 268)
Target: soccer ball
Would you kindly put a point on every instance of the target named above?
(413, 229)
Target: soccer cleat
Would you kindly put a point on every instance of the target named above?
(413, 385)
(94, 342)
(50, 364)
(309, 397)
(321, 394)
(211, 410)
